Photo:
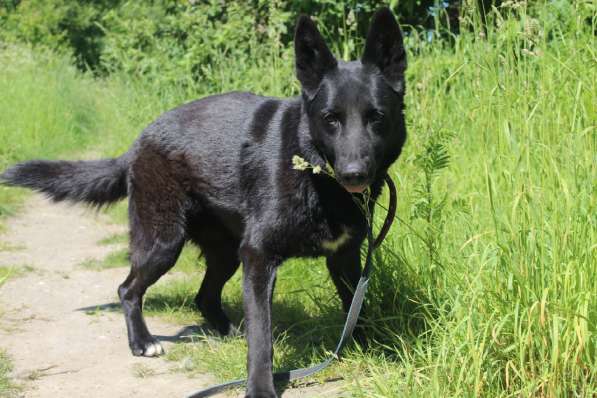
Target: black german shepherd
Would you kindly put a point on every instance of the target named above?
(218, 172)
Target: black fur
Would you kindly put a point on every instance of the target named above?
(96, 182)
(218, 172)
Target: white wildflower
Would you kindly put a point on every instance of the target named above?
(299, 163)
(350, 19)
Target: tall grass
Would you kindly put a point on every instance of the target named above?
(504, 285)
(486, 284)
(48, 109)
(43, 110)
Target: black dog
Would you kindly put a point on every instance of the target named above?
(218, 172)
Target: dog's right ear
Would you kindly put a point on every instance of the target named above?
(313, 57)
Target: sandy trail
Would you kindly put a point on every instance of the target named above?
(58, 349)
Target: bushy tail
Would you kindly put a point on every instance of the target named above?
(96, 182)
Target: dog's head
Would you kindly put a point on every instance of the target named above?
(355, 109)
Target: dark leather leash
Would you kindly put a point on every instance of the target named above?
(351, 318)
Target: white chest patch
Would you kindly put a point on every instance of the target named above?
(334, 245)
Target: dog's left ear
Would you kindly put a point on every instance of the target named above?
(385, 48)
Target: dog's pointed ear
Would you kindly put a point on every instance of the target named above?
(385, 48)
(313, 57)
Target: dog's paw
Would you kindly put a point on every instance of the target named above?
(150, 348)
(222, 325)
(215, 316)
(261, 395)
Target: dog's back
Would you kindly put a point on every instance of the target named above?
(203, 137)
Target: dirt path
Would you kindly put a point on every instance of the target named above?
(58, 349)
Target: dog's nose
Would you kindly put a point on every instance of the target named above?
(354, 174)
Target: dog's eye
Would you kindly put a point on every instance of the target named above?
(375, 116)
(331, 119)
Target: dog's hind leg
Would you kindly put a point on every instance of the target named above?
(157, 224)
(149, 261)
(151, 257)
(220, 250)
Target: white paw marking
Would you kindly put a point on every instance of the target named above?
(153, 350)
(334, 245)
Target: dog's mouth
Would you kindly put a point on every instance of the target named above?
(355, 188)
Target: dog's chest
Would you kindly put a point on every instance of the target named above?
(314, 239)
(334, 243)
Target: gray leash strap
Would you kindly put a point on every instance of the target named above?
(349, 325)
(351, 318)
(351, 321)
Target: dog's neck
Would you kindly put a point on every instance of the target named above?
(309, 149)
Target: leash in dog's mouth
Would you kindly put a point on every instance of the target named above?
(353, 313)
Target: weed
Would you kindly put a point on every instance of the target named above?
(8, 388)
(115, 239)
(142, 371)
(116, 259)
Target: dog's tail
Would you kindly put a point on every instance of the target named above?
(95, 182)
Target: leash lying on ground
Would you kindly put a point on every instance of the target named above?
(351, 318)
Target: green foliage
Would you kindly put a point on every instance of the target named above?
(180, 41)
(187, 43)
(72, 26)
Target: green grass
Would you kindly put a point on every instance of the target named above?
(7, 272)
(307, 315)
(115, 239)
(486, 284)
(143, 371)
(38, 103)
(173, 300)
(7, 388)
(116, 259)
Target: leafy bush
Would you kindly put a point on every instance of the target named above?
(173, 38)
(181, 43)
(64, 25)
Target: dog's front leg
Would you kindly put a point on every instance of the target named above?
(258, 285)
(345, 270)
